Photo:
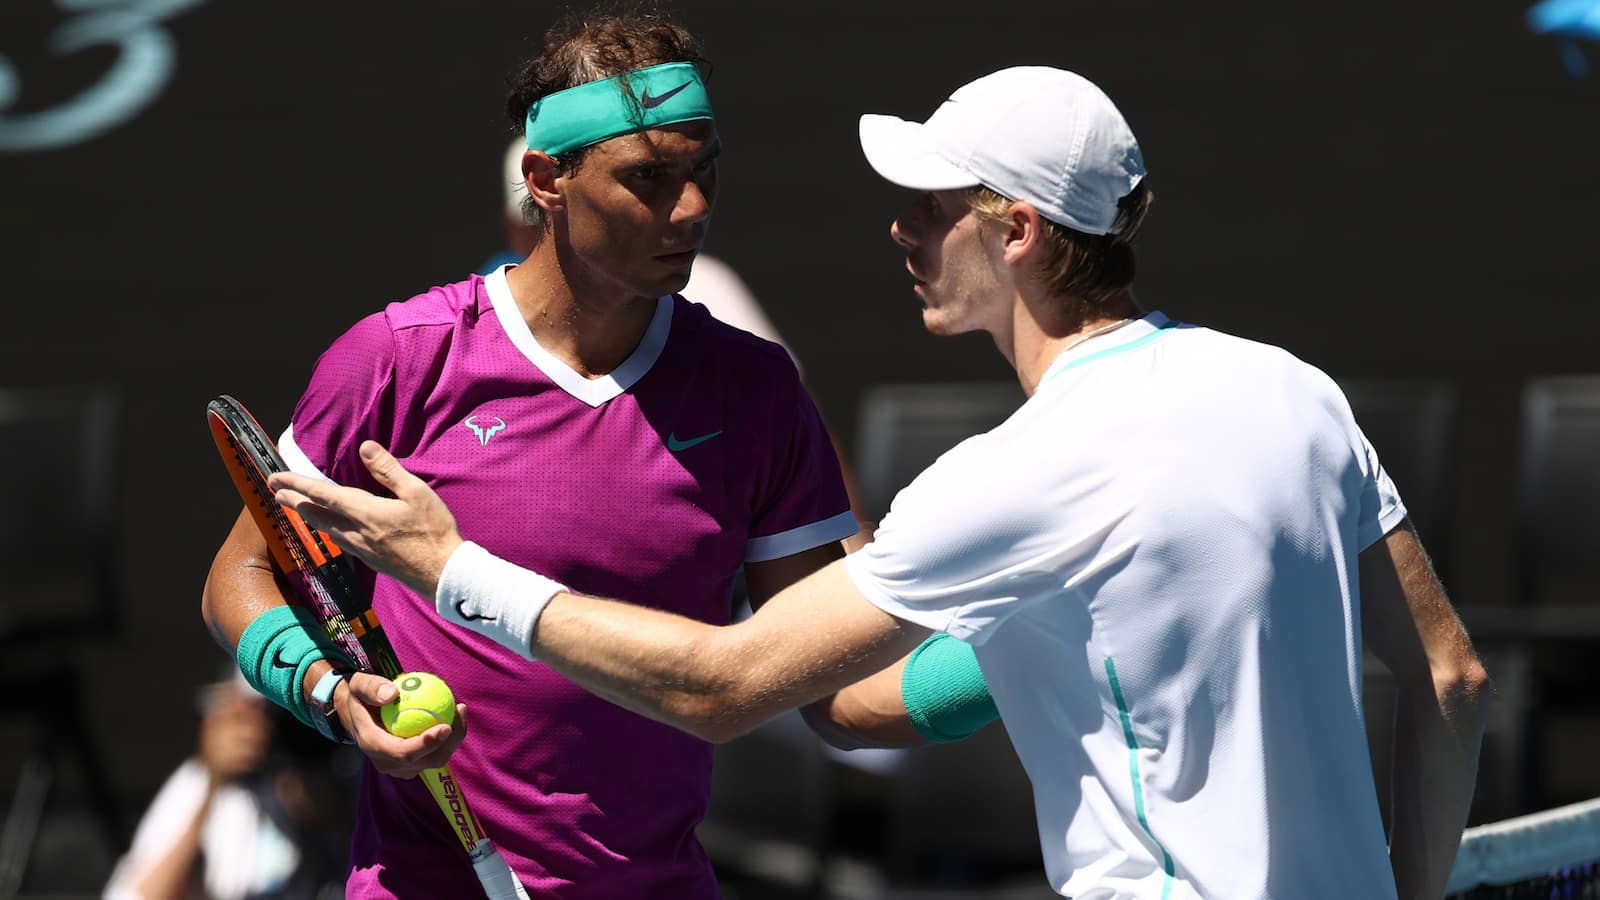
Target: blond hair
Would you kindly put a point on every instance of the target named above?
(1091, 267)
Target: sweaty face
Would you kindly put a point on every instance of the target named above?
(639, 205)
(956, 278)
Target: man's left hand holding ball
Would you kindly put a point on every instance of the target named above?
(359, 700)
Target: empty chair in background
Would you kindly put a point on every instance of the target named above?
(771, 796)
(1554, 629)
(60, 461)
(993, 840)
(1559, 498)
(1412, 423)
(905, 427)
(60, 464)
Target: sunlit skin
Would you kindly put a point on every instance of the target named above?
(957, 273)
(975, 274)
(624, 229)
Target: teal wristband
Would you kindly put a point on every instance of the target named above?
(944, 691)
(276, 650)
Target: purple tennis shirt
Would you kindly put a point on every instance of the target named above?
(652, 485)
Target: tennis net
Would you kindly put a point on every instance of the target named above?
(1552, 855)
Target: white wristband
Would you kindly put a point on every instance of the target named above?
(499, 600)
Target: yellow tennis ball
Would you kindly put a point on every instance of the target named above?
(423, 701)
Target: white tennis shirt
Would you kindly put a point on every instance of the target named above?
(1156, 558)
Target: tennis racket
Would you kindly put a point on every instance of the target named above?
(324, 582)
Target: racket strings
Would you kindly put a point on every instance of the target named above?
(374, 653)
(369, 648)
(334, 620)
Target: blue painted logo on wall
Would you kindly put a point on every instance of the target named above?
(146, 57)
(1572, 21)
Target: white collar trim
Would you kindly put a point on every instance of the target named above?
(593, 391)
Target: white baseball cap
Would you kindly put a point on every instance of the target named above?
(1033, 133)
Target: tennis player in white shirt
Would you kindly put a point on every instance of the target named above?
(1169, 559)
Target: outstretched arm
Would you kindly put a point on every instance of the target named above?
(813, 638)
(869, 713)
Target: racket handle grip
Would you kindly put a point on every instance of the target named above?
(499, 883)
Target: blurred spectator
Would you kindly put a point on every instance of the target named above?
(232, 821)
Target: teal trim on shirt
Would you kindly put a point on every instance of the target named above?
(1135, 344)
(1133, 766)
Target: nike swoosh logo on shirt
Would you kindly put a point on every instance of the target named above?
(649, 102)
(676, 445)
(472, 617)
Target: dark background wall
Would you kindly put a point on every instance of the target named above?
(1385, 189)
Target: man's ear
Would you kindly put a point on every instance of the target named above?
(1024, 233)
(539, 174)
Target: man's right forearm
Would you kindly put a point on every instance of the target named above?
(1435, 769)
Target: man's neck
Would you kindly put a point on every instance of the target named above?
(1041, 331)
(590, 325)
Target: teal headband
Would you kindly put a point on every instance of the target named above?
(590, 113)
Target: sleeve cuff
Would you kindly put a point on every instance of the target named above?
(855, 565)
(797, 540)
(1387, 521)
(295, 458)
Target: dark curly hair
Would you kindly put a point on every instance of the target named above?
(587, 46)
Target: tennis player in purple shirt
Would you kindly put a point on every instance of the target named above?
(583, 420)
